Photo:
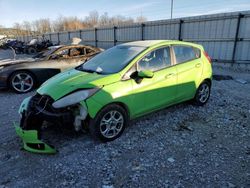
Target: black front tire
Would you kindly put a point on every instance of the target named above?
(95, 126)
(32, 50)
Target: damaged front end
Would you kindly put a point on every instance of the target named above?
(38, 109)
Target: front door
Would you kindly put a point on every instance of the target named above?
(160, 90)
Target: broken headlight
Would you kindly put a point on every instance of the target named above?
(74, 98)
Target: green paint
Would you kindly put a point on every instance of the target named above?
(31, 142)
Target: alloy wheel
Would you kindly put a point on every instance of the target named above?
(203, 93)
(22, 82)
(111, 124)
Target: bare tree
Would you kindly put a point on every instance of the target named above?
(18, 29)
(27, 27)
(42, 25)
(92, 19)
(118, 20)
(58, 24)
(114, 20)
(141, 19)
(104, 20)
(45, 25)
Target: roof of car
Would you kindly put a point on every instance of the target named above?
(150, 43)
(76, 45)
(143, 43)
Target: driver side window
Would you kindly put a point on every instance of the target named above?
(62, 54)
(155, 60)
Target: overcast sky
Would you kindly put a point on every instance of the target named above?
(12, 11)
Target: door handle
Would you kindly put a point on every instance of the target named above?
(169, 75)
(197, 65)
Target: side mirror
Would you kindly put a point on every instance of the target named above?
(146, 74)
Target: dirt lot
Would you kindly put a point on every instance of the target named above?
(181, 146)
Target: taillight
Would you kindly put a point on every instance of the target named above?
(207, 56)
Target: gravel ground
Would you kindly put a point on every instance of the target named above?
(180, 146)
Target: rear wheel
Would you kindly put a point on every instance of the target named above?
(202, 94)
(109, 123)
(22, 82)
(31, 50)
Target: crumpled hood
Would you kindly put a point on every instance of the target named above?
(8, 62)
(71, 80)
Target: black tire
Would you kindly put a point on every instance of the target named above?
(27, 82)
(31, 50)
(202, 94)
(96, 128)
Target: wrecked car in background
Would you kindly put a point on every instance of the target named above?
(6, 43)
(34, 46)
(122, 83)
(24, 74)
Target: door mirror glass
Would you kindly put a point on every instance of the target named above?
(146, 74)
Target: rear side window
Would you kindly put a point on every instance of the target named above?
(88, 51)
(185, 53)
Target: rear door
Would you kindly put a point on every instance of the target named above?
(189, 70)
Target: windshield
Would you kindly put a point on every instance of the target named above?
(112, 60)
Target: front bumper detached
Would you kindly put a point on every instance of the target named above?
(34, 111)
(37, 109)
(31, 142)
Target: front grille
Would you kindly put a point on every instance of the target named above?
(43, 102)
(40, 108)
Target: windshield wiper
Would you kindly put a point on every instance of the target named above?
(87, 70)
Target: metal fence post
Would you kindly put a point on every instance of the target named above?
(96, 41)
(236, 36)
(180, 30)
(58, 38)
(142, 31)
(80, 33)
(50, 38)
(69, 35)
(115, 35)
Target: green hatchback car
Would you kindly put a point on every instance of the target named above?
(122, 83)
